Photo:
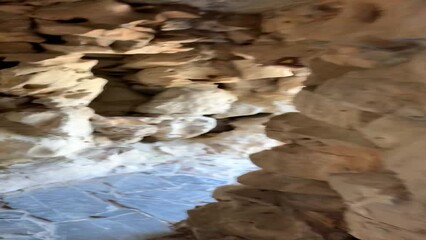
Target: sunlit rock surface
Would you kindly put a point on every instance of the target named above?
(95, 88)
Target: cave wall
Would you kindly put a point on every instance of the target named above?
(96, 87)
(353, 164)
(84, 79)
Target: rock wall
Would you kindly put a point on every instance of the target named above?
(353, 163)
(83, 81)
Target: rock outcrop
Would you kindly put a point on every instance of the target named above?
(80, 77)
(88, 80)
(351, 166)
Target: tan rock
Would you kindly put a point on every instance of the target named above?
(125, 129)
(164, 59)
(391, 132)
(250, 221)
(216, 72)
(68, 85)
(72, 122)
(184, 127)
(38, 134)
(249, 70)
(189, 101)
(281, 182)
(407, 162)
(298, 161)
(117, 99)
(114, 12)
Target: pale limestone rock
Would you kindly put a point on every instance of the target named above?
(16, 146)
(259, 103)
(104, 37)
(67, 85)
(290, 85)
(189, 101)
(249, 70)
(241, 108)
(214, 72)
(168, 45)
(73, 122)
(249, 133)
(134, 129)
(125, 130)
(165, 60)
(184, 127)
(36, 133)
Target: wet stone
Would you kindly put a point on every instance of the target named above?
(58, 204)
(11, 214)
(157, 208)
(92, 186)
(132, 226)
(179, 196)
(19, 227)
(187, 182)
(137, 183)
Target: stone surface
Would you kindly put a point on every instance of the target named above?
(162, 74)
(132, 206)
(189, 101)
(356, 134)
(191, 83)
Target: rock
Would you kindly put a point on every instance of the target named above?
(295, 160)
(72, 122)
(184, 127)
(118, 12)
(125, 130)
(281, 182)
(213, 72)
(189, 101)
(164, 59)
(104, 37)
(250, 70)
(68, 85)
(266, 222)
(406, 162)
(39, 134)
(117, 99)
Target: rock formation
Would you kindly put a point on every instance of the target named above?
(351, 166)
(82, 79)
(85, 79)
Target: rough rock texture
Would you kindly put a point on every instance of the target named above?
(353, 163)
(189, 81)
(103, 86)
